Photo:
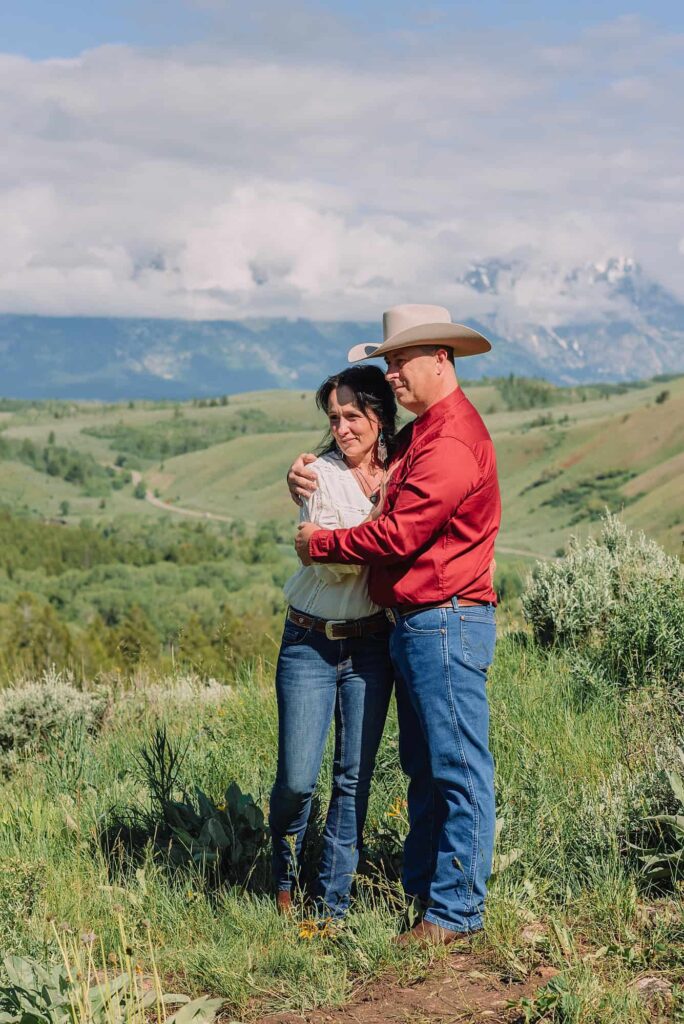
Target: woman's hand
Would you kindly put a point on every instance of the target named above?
(300, 480)
(305, 531)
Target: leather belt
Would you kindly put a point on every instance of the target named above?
(463, 602)
(341, 629)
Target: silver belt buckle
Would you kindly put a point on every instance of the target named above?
(329, 627)
(391, 616)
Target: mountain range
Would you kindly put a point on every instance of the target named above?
(597, 322)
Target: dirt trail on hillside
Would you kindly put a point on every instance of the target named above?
(464, 990)
(502, 549)
(136, 477)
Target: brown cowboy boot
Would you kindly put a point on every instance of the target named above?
(284, 901)
(429, 934)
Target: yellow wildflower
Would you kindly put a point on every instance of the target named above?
(308, 929)
(313, 929)
(397, 809)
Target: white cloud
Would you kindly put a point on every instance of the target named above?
(212, 184)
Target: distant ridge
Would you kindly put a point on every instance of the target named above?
(639, 333)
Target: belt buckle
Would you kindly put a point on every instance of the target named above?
(330, 626)
(391, 616)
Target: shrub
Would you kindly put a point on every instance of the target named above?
(224, 841)
(37, 993)
(32, 713)
(616, 603)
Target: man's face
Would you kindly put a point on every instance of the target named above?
(412, 375)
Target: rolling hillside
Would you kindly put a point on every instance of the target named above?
(560, 465)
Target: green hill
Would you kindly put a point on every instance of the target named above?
(574, 452)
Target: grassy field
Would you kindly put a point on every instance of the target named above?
(90, 868)
(574, 785)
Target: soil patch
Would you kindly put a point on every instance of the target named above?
(464, 989)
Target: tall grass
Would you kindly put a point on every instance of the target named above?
(575, 782)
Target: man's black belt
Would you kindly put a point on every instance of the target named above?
(341, 629)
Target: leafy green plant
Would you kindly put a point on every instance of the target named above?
(663, 859)
(39, 994)
(229, 836)
(224, 839)
(553, 1002)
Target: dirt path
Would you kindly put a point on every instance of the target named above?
(526, 554)
(136, 477)
(464, 990)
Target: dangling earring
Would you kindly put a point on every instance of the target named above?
(382, 448)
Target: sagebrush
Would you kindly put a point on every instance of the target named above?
(616, 604)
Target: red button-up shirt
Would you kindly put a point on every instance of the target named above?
(435, 535)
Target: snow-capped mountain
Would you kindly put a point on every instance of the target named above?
(599, 321)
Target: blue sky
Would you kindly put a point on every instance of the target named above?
(227, 159)
(43, 28)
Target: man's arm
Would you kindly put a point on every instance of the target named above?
(319, 512)
(442, 475)
(302, 482)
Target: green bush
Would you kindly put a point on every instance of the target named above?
(33, 713)
(663, 857)
(224, 841)
(616, 603)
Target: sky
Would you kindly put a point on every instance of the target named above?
(195, 159)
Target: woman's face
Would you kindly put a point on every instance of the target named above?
(354, 431)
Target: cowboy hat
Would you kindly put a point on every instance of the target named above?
(407, 325)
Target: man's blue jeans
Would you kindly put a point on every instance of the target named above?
(318, 679)
(440, 658)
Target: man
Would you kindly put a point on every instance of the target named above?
(430, 551)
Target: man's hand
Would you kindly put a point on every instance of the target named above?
(305, 531)
(301, 481)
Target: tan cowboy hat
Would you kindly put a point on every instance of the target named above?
(407, 325)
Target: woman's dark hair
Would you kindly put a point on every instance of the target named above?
(371, 393)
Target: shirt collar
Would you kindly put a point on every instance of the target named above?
(437, 412)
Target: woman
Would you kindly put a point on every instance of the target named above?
(334, 660)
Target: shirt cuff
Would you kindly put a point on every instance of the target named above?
(320, 543)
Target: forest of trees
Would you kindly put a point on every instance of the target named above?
(68, 464)
(99, 598)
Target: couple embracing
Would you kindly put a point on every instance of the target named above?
(396, 542)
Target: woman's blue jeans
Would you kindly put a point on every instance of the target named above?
(441, 657)
(318, 679)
